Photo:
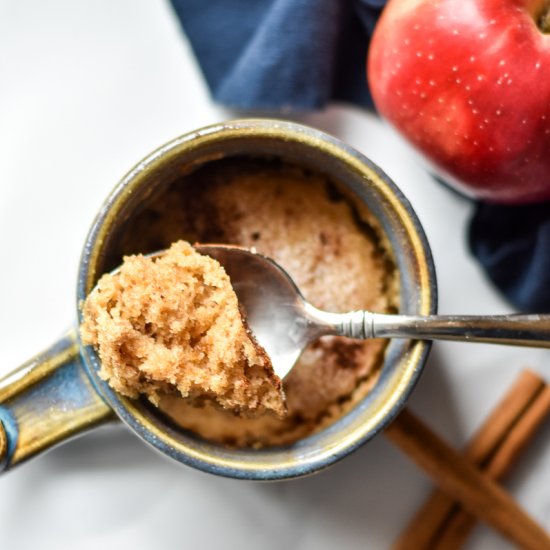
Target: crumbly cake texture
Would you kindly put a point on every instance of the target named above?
(171, 325)
(332, 247)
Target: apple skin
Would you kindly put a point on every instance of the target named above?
(467, 82)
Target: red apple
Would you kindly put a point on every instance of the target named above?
(468, 83)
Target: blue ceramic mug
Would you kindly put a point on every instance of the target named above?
(59, 394)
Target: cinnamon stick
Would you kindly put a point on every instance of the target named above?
(430, 520)
(460, 524)
(459, 478)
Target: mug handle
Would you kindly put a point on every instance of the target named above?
(46, 401)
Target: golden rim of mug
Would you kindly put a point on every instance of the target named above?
(412, 234)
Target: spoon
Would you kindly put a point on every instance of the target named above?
(284, 323)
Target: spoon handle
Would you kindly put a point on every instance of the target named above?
(531, 330)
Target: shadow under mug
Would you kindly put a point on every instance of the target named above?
(59, 394)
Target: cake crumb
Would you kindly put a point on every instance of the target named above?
(171, 325)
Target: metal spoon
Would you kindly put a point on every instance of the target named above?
(284, 323)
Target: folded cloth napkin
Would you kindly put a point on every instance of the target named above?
(513, 245)
(299, 55)
(281, 54)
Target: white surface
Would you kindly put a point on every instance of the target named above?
(86, 90)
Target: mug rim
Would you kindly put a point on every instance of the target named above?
(298, 459)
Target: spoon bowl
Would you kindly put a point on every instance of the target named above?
(280, 319)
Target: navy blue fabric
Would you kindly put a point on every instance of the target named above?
(299, 55)
(281, 54)
(513, 245)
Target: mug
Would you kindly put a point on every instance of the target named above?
(59, 394)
